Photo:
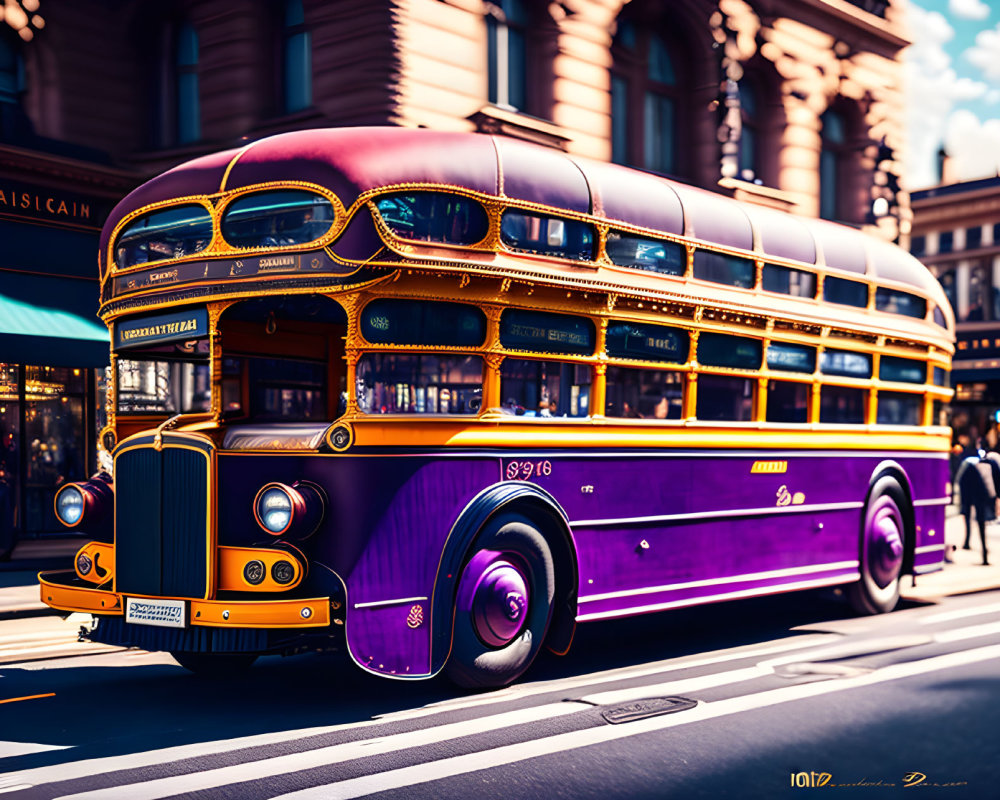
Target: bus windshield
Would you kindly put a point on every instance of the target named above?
(169, 379)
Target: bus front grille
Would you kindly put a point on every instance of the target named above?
(162, 525)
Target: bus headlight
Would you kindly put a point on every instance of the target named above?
(69, 505)
(294, 511)
(87, 506)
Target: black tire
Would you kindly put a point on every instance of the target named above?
(214, 665)
(498, 628)
(882, 549)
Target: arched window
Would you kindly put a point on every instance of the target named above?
(646, 98)
(297, 59)
(507, 53)
(188, 108)
(833, 165)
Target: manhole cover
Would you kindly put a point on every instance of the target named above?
(647, 707)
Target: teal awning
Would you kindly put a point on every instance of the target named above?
(48, 320)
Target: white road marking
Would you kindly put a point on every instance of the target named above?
(957, 635)
(324, 756)
(489, 759)
(98, 766)
(962, 613)
(11, 749)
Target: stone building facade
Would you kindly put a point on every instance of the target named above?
(795, 104)
(956, 233)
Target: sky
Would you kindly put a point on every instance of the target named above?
(953, 88)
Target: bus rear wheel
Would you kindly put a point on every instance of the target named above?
(883, 537)
(214, 665)
(503, 604)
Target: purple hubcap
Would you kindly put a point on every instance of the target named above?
(499, 597)
(885, 543)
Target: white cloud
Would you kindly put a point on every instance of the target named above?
(974, 146)
(985, 54)
(969, 9)
(932, 90)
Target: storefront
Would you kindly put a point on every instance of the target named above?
(53, 349)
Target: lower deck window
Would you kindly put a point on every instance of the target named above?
(900, 408)
(643, 393)
(722, 397)
(405, 383)
(545, 388)
(843, 404)
(787, 402)
(148, 386)
(274, 389)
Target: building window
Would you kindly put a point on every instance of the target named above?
(946, 241)
(646, 99)
(188, 100)
(831, 165)
(918, 246)
(297, 88)
(11, 70)
(750, 132)
(507, 54)
(974, 237)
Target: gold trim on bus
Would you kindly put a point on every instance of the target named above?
(312, 612)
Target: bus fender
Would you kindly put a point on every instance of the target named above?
(541, 508)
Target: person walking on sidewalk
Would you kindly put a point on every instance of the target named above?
(978, 480)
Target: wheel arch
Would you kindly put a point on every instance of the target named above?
(537, 505)
(892, 469)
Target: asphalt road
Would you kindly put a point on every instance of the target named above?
(767, 693)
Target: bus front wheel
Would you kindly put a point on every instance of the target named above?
(214, 665)
(883, 537)
(503, 604)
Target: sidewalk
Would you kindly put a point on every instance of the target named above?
(19, 595)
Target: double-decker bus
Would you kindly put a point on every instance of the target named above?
(436, 398)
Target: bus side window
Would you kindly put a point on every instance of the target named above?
(787, 401)
(720, 268)
(643, 393)
(900, 408)
(544, 388)
(406, 383)
(842, 404)
(725, 398)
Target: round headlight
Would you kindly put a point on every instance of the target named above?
(69, 505)
(274, 510)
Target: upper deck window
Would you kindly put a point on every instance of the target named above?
(723, 350)
(542, 332)
(895, 302)
(845, 293)
(277, 218)
(939, 317)
(158, 235)
(905, 370)
(785, 280)
(434, 217)
(846, 364)
(791, 357)
(720, 268)
(647, 342)
(547, 236)
(391, 321)
(653, 255)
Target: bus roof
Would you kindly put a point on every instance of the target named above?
(352, 161)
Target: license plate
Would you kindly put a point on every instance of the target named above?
(165, 613)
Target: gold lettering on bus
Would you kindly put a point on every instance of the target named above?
(276, 262)
(167, 329)
(769, 467)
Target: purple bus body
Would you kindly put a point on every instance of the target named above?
(651, 530)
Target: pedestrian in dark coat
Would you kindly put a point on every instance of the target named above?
(978, 480)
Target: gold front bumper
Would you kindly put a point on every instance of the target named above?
(65, 591)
